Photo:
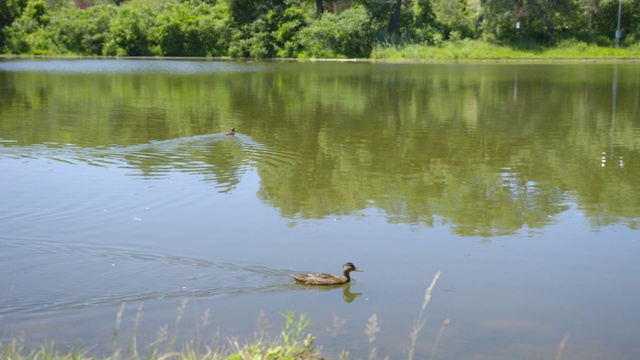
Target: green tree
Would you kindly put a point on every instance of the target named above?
(129, 33)
(535, 19)
(424, 15)
(266, 29)
(605, 17)
(30, 33)
(187, 29)
(394, 21)
(82, 31)
(287, 35)
(10, 10)
(400, 17)
(248, 11)
(348, 34)
(458, 16)
(37, 11)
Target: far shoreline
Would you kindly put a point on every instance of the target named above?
(601, 60)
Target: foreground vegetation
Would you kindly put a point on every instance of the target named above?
(291, 344)
(294, 342)
(378, 29)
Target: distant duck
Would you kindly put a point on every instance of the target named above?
(231, 132)
(327, 279)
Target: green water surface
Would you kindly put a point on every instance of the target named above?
(519, 182)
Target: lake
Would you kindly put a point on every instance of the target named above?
(518, 182)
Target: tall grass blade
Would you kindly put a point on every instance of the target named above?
(562, 345)
(444, 326)
(118, 321)
(419, 324)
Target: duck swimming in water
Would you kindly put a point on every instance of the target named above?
(327, 279)
(231, 132)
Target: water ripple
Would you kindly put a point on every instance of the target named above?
(90, 275)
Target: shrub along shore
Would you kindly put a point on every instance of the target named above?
(329, 29)
(464, 51)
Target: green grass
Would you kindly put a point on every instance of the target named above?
(480, 50)
(476, 50)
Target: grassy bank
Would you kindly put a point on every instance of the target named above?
(480, 50)
(462, 50)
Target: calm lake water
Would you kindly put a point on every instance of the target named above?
(518, 182)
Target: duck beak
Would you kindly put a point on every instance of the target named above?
(358, 270)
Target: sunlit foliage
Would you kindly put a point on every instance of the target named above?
(299, 28)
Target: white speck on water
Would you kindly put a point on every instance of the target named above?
(138, 219)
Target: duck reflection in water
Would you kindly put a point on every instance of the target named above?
(347, 295)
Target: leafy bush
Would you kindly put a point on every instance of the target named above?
(10, 10)
(273, 33)
(454, 19)
(185, 29)
(287, 36)
(129, 33)
(348, 34)
(254, 39)
(37, 11)
(27, 34)
(572, 44)
(82, 31)
(379, 12)
(68, 30)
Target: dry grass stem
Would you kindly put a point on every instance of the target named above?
(444, 326)
(118, 322)
(371, 330)
(419, 324)
(562, 345)
(427, 294)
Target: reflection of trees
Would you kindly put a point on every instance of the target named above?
(214, 158)
(423, 143)
(452, 145)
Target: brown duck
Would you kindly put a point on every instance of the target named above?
(327, 279)
(231, 132)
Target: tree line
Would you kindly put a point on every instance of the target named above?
(302, 28)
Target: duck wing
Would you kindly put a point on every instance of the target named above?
(317, 279)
